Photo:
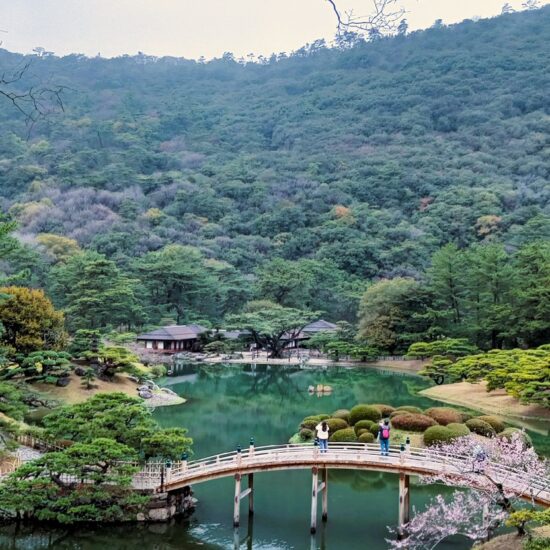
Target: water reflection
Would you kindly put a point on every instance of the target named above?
(226, 405)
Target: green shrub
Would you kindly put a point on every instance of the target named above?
(366, 437)
(437, 434)
(385, 410)
(466, 416)
(362, 425)
(310, 422)
(480, 427)
(335, 424)
(397, 413)
(341, 413)
(508, 432)
(35, 416)
(444, 415)
(538, 544)
(496, 422)
(458, 430)
(361, 431)
(374, 429)
(412, 422)
(306, 435)
(364, 412)
(158, 371)
(345, 435)
(410, 409)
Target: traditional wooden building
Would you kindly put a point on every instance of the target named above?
(296, 340)
(173, 338)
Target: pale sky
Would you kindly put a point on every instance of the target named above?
(194, 28)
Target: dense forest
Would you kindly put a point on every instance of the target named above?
(173, 190)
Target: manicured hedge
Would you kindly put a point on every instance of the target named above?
(495, 421)
(335, 424)
(412, 422)
(364, 412)
(458, 430)
(309, 422)
(345, 435)
(444, 415)
(341, 413)
(306, 435)
(410, 409)
(385, 410)
(437, 434)
(363, 424)
(481, 427)
(366, 437)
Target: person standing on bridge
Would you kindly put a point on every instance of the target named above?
(322, 430)
(384, 436)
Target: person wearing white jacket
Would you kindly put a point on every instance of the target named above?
(322, 431)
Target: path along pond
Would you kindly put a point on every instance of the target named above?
(226, 406)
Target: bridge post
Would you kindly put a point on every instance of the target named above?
(404, 504)
(315, 476)
(251, 494)
(325, 494)
(237, 502)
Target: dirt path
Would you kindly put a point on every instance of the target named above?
(475, 396)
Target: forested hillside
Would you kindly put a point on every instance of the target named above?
(345, 165)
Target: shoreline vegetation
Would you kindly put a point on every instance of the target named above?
(74, 393)
(476, 396)
(410, 366)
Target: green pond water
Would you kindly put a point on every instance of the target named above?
(228, 404)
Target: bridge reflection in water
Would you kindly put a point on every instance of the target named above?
(166, 477)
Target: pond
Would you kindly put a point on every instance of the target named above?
(226, 406)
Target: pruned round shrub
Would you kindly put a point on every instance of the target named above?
(364, 412)
(397, 413)
(444, 415)
(437, 434)
(306, 435)
(335, 424)
(374, 429)
(361, 431)
(309, 422)
(409, 409)
(366, 437)
(458, 430)
(345, 435)
(496, 422)
(466, 416)
(508, 433)
(413, 422)
(480, 427)
(363, 425)
(385, 410)
(341, 413)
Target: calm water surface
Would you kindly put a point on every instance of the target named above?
(226, 406)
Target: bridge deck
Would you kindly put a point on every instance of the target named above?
(341, 456)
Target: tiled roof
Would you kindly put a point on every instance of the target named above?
(174, 332)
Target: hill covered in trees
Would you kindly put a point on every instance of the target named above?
(329, 168)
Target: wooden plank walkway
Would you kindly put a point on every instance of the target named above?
(414, 461)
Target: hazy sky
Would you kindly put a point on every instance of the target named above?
(191, 28)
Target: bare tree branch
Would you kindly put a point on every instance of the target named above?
(383, 19)
(33, 102)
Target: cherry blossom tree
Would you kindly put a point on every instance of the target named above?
(498, 473)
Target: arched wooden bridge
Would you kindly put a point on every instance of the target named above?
(349, 456)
